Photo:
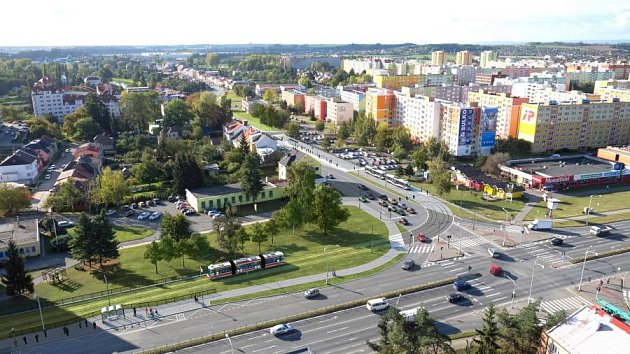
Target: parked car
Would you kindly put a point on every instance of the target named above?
(454, 297)
(66, 224)
(461, 285)
(281, 329)
(144, 215)
(404, 221)
(421, 237)
(134, 205)
(190, 212)
(47, 177)
(171, 198)
(383, 197)
(155, 215)
(408, 264)
(217, 216)
(110, 212)
(311, 293)
(149, 203)
(401, 212)
(363, 187)
(330, 176)
(129, 213)
(142, 205)
(411, 210)
(156, 200)
(495, 270)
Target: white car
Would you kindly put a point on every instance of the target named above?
(110, 212)
(47, 177)
(216, 216)
(144, 215)
(281, 329)
(156, 215)
(66, 224)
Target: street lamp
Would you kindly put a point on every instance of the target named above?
(590, 202)
(230, 340)
(327, 265)
(109, 301)
(513, 291)
(531, 284)
(41, 317)
(506, 225)
(584, 265)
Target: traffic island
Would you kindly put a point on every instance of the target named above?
(443, 251)
(608, 289)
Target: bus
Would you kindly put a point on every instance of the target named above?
(375, 172)
(245, 265)
(398, 182)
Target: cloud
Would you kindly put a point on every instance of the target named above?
(622, 20)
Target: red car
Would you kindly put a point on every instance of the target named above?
(421, 237)
(495, 270)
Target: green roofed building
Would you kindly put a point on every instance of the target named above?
(219, 197)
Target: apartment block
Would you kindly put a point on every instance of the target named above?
(294, 98)
(486, 57)
(464, 57)
(380, 104)
(576, 125)
(457, 128)
(589, 76)
(438, 58)
(488, 78)
(339, 112)
(419, 114)
(508, 110)
(609, 89)
(317, 104)
(357, 98)
(395, 82)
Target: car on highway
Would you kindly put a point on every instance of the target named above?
(144, 215)
(408, 264)
(155, 215)
(383, 203)
(65, 224)
(363, 199)
(363, 187)
(556, 241)
(370, 196)
(281, 329)
(311, 293)
(377, 304)
(110, 212)
(495, 270)
(421, 237)
(454, 297)
(404, 221)
(461, 285)
(383, 197)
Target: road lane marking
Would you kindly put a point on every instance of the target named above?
(257, 350)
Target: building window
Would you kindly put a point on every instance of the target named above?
(247, 197)
(203, 205)
(210, 204)
(262, 195)
(240, 198)
(226, 201)
(233, 200)
(21, 250)
(218, 203)
(270, 194)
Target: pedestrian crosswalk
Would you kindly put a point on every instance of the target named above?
(468, 241)
(566, 304)
(397, 243)
(516, 228)
(421, 248)
(533, 244)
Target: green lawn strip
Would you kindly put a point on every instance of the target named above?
(462, 335)
(573, 203)
(253, 121)
(296, 317)
(126, 233)
(401, 229)
(592, 220)
(312, 162)
(236, 100)
(601, 255)
(316, 284)
(304, 253)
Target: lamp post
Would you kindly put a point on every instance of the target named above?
(588, 211)
(531, 284)
(230, 341)
(513, 291)
(584, 266)
(506, 225)
(109, 301)
(41, 317)
(327, 265)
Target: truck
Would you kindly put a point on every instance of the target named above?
(600, 230)
(542, 224)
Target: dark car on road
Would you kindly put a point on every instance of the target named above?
(363, 187)
(461, 285)
(408, 264)
(557, 241)
(454, 297)
(404, 221)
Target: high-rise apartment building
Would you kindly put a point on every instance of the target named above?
(508, 110)
(419, 114)
(438, 57)
(380, 104)
(459, 128)
(464, 57)
(486, 58)
(576, 125)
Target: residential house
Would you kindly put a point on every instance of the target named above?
(20, 167)
(107, 142)
(94, 151)
(289, 159)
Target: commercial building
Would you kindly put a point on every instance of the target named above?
(615, 154)
(565, 172)
(468, 130)
(339, 112)
(554, 125)
(588, 330)
(486, 58)
(294, 98)
(231, 196)
(509, 109)
(438, 58)
(25, 234)
(380, 104)
(419, 114)
(464, 57)
(473, 178)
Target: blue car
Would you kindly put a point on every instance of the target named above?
(461, 285)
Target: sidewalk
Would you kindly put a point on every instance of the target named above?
(442, 252)
(610, 290)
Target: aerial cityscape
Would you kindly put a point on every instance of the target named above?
(202, 177)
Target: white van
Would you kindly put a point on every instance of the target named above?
(410, 315)
(493, 253)
(377, 304)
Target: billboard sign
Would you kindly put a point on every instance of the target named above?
(488, 126)
(488, 139)
(466, 119)
(527, 122)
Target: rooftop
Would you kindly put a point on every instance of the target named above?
(22, 231)
(591, 330)
(214, 191)
(562, 166)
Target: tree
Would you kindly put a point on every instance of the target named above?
(305, 81)
(65, 198)
(186, 173)
(259, 234)
(153, 254)
(140, 108)
(383, 137)
(250, 177)
(396, 336)
(207, 111)
(409, 170)
(364, 129)
(85, 129)
(320, 125)
(400, 170)
(293, 130)
(325, 143)
(327, 208)
(520, 333)
(13, 199)
(147, 171)
(226, 229)
(301, 185)
(97, 110)
(212, 59)
(270, 95)
(103, 238)
(343, 132)
(176, 226)
(491, 166)
(199, 246)
(177, 113)
(514, 147)
(38, 127)
(442, 183)
(436, 148)
(242, 236)
(110, 187)
(555, 319)
(272, 226)
(16, 279)
(80, 244)
(430, 340)
(488, 340)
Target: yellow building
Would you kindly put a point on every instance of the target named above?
(487, 57)
(396, 82)
(508, 110)
(25, 234)
(438, 57)
(577, 126)
(380, 104)
(464, 57)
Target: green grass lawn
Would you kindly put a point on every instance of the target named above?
(594, 219)
(304, 256)
(253, 121)
(573, 203)
(125, 233)
(470, 200)
(312, 162)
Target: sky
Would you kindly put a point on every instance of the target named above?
(150, 22)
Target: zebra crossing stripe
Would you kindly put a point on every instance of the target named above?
(571, 303)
